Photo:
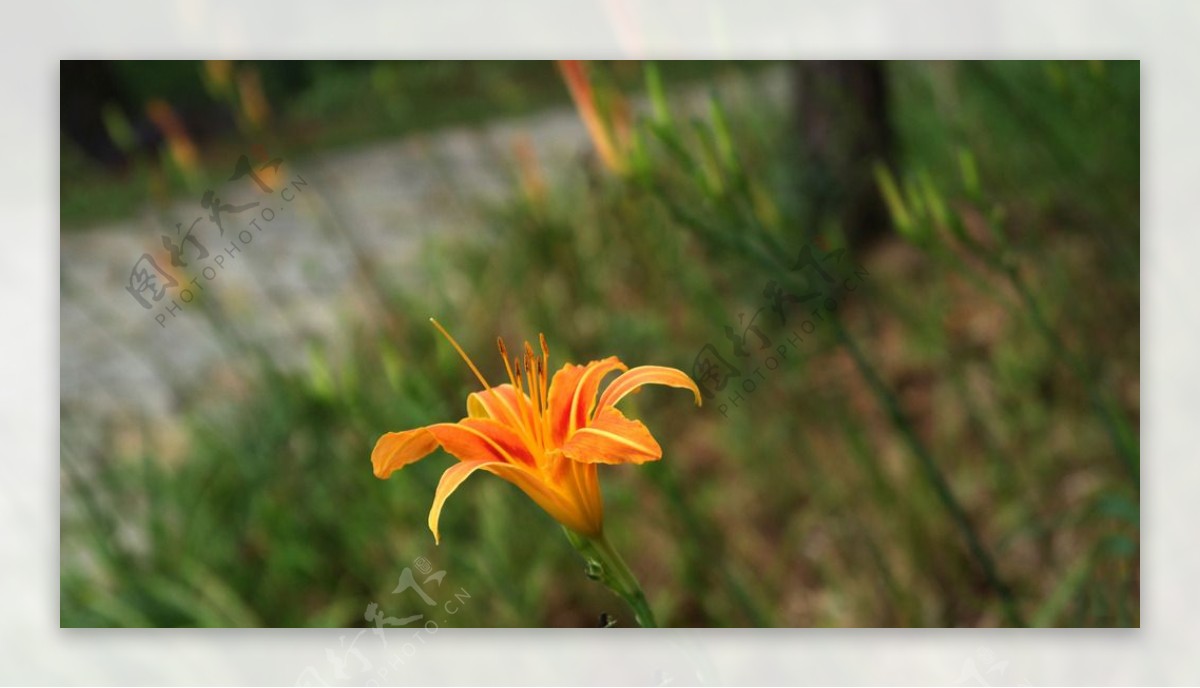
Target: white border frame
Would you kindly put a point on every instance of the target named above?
(1165, 36)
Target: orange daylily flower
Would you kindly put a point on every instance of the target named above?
(544, 435)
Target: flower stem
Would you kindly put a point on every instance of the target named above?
(606, 566)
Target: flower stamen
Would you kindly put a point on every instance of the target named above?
(535, 395)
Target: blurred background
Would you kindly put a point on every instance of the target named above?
(911, 291)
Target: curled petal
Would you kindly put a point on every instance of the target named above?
(612, 438)
(572, 395)
(630, 381)
(395, 450)
(451, 479)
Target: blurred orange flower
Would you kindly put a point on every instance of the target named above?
(182, 151)
(543, 435)
(611, 139)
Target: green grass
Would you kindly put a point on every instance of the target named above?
(956, 454)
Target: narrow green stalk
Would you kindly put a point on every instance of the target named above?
(1123, 439)
(934, 475)
(1118, 431)
(606, 566)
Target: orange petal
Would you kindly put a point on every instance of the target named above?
(612, 438)
(395, 450)
(574, 509)
(572, 395)
(499, 403)
(564, 508)
(472, 439)
(587, 485)
(451, 479)
(482, 439)
(646, 375)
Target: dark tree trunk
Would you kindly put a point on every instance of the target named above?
(841, 110)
